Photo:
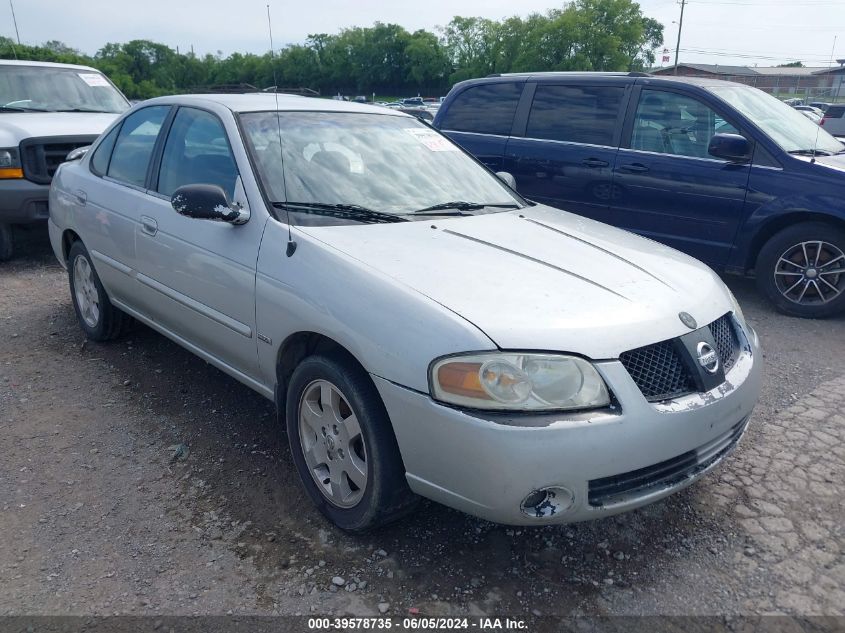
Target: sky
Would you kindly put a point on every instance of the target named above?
(730, 32)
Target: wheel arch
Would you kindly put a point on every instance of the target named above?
(776, 224)
(69, 236)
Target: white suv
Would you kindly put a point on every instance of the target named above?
(46, 111)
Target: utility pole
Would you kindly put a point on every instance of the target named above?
(15, 20)
(680, 26)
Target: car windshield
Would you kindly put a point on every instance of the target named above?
(381, 162)
(51, 89)
(786, 126)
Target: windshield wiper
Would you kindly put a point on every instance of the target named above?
(344, 211)
(85, 110)
(8, 108)
(460, 205)
(811, 152)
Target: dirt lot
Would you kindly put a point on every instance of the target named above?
(136, 479)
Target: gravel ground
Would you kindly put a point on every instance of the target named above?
(136, 479)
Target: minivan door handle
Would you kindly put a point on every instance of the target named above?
(148, 225)
(634, 168)
(595, 162)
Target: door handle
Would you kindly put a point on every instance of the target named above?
(595, 162)
(81, 197)
(634, 168)
(148, 225)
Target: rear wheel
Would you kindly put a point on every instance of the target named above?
(6, 247)
(343, 445)
(802, 270)
(98, 318)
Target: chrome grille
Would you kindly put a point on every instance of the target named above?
(658, 371)
(727, 342)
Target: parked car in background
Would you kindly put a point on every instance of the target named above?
(422, 329)
(793, 102)
(719, 170)
(811, 114)
(424, 114)
(833, 121)
(821, 105)
(46, 111)
(807, 108)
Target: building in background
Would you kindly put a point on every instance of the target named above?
(811, 82)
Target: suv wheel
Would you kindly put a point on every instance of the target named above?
(6, 247)
(802, 270)
(343, 445)
(98, 318)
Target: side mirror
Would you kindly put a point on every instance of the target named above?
(207, 202)
(507, 178)
(76, 154)
(730, 147)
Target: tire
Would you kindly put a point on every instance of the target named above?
(6, 244)
(341, 454)
(798, 270)
(97, 317)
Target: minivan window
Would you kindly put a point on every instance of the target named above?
(671, 123)
(786, 126)
(197, 152)
(578, 114)
(484, 109)
(134, 145)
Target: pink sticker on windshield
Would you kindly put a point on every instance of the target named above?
(432, 140)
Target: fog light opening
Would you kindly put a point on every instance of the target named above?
(547, 502)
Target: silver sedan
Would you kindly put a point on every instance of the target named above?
(422, 329)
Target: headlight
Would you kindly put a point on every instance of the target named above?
(10, 164)
(518, 382)
(737, 308)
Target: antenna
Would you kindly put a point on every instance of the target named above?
(291, 249)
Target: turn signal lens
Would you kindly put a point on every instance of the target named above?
(505, 381)
(10, 172)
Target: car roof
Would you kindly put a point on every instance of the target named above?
(17, 62)
(263, 102)
(645, 78)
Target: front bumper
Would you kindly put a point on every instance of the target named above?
(486, 466)
(23, 201)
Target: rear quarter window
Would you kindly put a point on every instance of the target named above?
(835, 112)
(484, 109)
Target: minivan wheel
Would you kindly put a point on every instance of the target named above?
(97, 317)
(342, 443)
(6, 245)
(802, 270)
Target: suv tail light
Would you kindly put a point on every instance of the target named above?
(823, 120)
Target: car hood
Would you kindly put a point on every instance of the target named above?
(16, 127)
(542, 279)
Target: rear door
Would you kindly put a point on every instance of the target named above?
(666, 185)
(565, 143)
(480, 119)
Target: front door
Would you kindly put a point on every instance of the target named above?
(565, 157)
(666, 185)
(197, 277)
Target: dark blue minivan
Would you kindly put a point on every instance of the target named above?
(719, 170)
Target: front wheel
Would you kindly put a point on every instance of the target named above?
(802, 270)
(343, 444)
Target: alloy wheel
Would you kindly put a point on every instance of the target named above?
(811, 273)
(332, 444)
(87, 297)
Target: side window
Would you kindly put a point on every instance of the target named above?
(579, 114)
(134, 145)
(671, 123)
(485, 109)
(196, 152)
(102, 155)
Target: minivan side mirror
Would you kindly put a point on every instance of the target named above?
(731, 147)
(207, 202)
(507, 178)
